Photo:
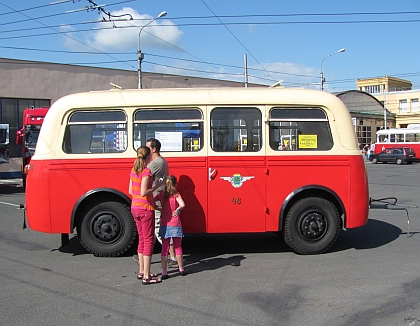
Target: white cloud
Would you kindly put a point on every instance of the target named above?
(70, 40)
(120, 35)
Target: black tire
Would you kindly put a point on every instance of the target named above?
(374, 160)
(399, 161)
(311, 226)
(107, 228)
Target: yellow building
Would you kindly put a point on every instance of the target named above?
(397, 97)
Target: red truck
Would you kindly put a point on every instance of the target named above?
(27, 137)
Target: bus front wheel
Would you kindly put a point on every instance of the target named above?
(107, 228)
(311, 226)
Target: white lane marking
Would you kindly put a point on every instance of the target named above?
(16, 205)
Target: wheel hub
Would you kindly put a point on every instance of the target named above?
(313, 226)
(106, 227)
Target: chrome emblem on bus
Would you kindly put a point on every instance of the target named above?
(236, 180)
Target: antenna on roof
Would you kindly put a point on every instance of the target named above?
(115, 86)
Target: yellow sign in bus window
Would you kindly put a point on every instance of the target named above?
(308, 141)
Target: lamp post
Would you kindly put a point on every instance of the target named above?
(322, 74)
(140, 55)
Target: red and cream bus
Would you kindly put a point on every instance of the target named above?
(247, 160)
(398, 137)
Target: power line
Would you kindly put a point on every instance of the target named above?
(218, 24)
(37, 7)
(304, 14)
(237, 40)
(64, 35)
(47, 16)
(63, 51)
(213, 64)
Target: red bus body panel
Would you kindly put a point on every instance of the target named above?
(217, 206)
(379, 147)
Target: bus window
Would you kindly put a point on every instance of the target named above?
(383, 139)
(235, 129)
(393, 138)
(90, 132)
(179, 130)
(299, 129)
(413, 137)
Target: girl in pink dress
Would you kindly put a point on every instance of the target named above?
(170, 224)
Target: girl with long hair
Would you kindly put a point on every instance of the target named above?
(170, 224)
(143, 211)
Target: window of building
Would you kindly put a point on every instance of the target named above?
(364, 134)
(403, 106)
(415, 105)
(300, 129)
(372, 89)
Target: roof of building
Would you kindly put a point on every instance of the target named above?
(361, 102)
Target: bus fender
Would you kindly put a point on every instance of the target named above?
(93, 192)
(311, 191)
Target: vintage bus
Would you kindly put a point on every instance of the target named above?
(398, 137)
(247, 160)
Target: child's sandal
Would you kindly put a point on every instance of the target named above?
(151, 280)
(140, 275)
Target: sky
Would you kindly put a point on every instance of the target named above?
(289, 41)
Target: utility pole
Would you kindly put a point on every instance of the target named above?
(245, 71)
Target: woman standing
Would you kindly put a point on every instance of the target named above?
(142, 209)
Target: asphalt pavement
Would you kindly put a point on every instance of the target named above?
(371, 276)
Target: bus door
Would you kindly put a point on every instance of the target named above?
(236, 170)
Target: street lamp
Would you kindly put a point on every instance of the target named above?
(322, 74)
(139, 53)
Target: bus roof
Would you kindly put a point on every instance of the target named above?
(197, 96)
(398, 131)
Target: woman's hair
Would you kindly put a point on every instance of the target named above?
(170, 187)
(140, 163)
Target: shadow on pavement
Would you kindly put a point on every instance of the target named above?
(203, 251)
(373, 235)
(11, 188)
(73, 247)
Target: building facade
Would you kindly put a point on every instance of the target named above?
(368, 114)
(397, 97)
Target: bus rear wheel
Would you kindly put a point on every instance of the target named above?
(107, 228)
(311, 226)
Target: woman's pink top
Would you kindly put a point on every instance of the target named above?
(139, 201)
